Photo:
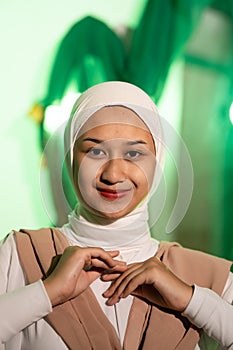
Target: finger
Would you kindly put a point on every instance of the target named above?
(106, 256)
(117, 289)
(114, 273)
(136, 281)
(120, 262)
(110, 276)
(116, 268)
(104, 267)
(113, 253)
(119, 281)
(88, 256)
(127, 287)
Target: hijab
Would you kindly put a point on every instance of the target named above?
(132, 229)
(115, 93)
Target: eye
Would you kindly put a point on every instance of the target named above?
(96, 152)
(133, 154)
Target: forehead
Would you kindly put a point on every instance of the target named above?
(113, 115)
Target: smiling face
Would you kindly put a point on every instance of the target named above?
(114, 163)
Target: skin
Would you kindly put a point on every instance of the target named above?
(114, 164)
(113, 170)
(71, 275)
(150, 280)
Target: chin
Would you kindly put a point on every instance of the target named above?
(114, 215)
(103, 214)
(102, 217)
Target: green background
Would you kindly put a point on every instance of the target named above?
(193, 57)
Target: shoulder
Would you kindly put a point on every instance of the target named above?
(41, 243)
(42, 235)
(7, 247)
(33, 232)
(175, 254)
(197, 267)
(11, 274)
(202, 260)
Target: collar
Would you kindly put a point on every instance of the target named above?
(128, 234)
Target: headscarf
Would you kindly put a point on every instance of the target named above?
(131, 230)
(115, 93)
(124, 94)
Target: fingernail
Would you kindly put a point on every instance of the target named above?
(108, 302)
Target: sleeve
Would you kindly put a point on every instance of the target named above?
(20, 305)
(212, 313)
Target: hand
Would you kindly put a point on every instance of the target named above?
(76, 269)
(150, 280)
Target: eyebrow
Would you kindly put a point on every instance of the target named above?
(129, 143)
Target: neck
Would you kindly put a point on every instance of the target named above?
(93, 218)
(127, 231)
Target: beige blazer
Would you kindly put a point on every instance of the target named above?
(82, 324)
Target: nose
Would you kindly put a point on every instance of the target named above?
(113, 171)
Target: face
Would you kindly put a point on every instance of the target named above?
(114, 163)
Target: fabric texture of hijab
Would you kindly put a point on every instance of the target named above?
(115, 93)
(132, 230)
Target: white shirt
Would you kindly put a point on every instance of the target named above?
(22, 308)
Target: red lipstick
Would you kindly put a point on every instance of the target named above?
(112, 194)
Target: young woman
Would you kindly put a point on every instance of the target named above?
(101, 281)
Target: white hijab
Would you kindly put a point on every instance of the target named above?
(115, 93)
(131, 230)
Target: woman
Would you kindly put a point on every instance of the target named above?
(101, 281)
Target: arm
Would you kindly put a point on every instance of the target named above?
(20, 308)
(213, 314)
(20, 305)
(153, 281)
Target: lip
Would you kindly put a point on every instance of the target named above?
(112, 194)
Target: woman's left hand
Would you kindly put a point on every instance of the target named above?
(150, 280)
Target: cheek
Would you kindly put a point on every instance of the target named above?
(85, 173)
(151, 173)
(76, 179)
(144, 174)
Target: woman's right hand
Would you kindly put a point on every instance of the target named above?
(76, 269)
